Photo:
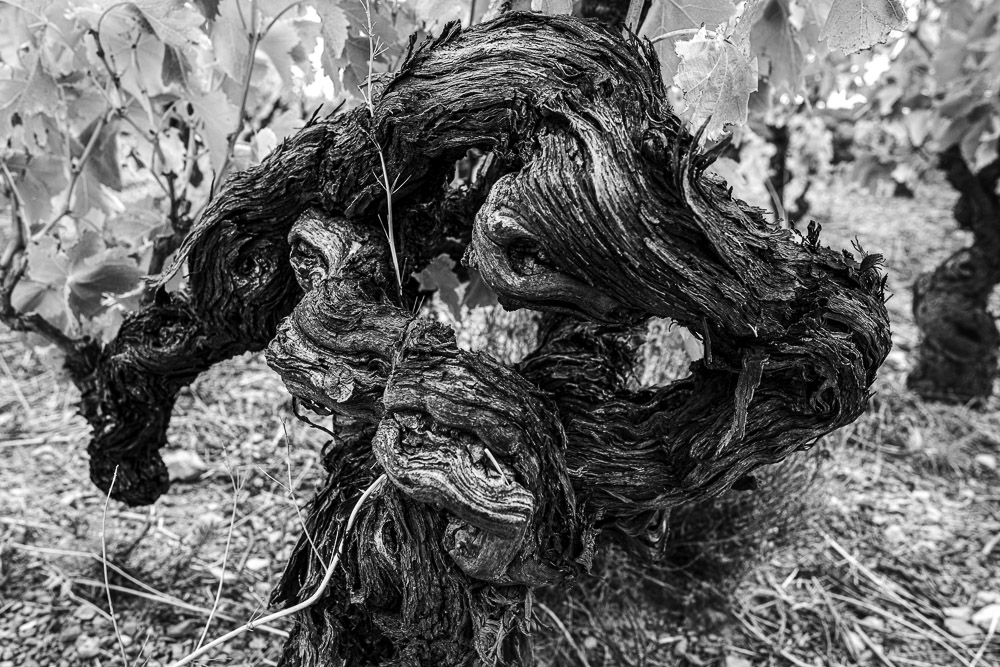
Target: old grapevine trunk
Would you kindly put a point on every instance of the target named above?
(960, 344)
(591, 206)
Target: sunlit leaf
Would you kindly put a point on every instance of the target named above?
(278, 44)
(717, 80)
(667, 16)
(440, 12)
(95, 270)
(141, 221)
(334, 31)
(44, 178)
(854, 25)
(230, 40)
(262, 144)
(777, 48)
(41, 96)
(32, 297)
(217, 118)
(175, 22)
(46, 265)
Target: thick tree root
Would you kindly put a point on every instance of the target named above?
(592, 206)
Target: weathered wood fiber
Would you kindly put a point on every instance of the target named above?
(594, 208)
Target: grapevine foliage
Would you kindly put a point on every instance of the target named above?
(119, 120)
(938, 93)
(718, 52)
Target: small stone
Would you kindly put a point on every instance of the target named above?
(590, 643)
(257, 564)
(896, 360)
(87, 647)
(964, 613)
(184, 466)
(28, 628)
(737, 661)
(875, 623)
(180, 629)
(854, 643)
(959, 628)
(211, 518)
(894, 534)
(85, 613)
(987, 616)
(987, 461)
(987, 597)
(70, 633)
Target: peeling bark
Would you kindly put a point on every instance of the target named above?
(593, 208)
(960, 344)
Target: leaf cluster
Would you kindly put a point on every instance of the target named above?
(118, 121)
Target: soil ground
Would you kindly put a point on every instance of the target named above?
(880, 546)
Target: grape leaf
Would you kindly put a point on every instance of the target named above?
(142, 220)
(273, 8)
(210, 8)
(356, 72)
(91, 193)
(41, 291)
(44, 178)
(278, 44)
(949, 57)
(975, 134)
(174, 67)
(230, 41)
(78, 278)
(95, 270)
(728, 170)
(104, 157)
(35, 7)
(106, 325)
(855, 25)
(263, 142)
(381, 25)
(778, 50)
(41, 95)
(334, 32)
(217, 116)
(918, 124)
(440, 275)
(33, 297)
(553, 7)
(717, 80)
(46, 265)
(666, 16)
(175, 22)
(477, 293)
(441, 11)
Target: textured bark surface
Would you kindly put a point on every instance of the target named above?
(960, 345)
(591, 206)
